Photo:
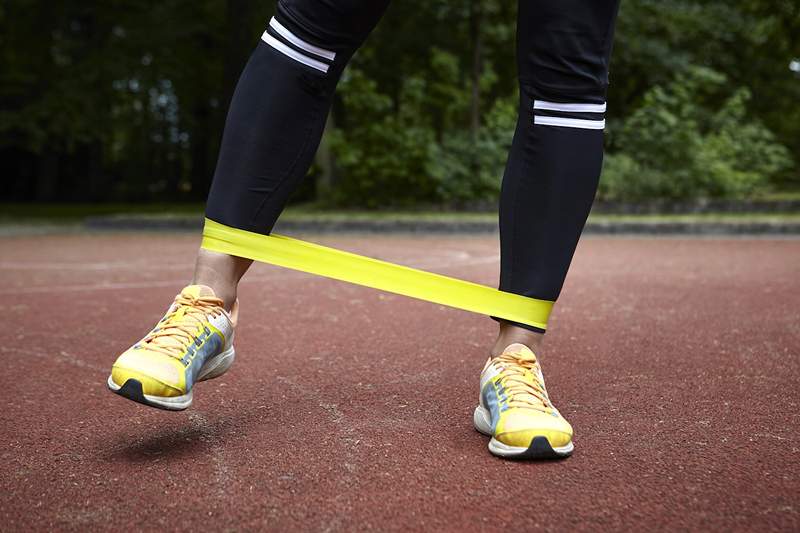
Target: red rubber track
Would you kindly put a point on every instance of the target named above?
(676, 360)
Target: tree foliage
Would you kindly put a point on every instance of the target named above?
(722, 152)
(125, 100)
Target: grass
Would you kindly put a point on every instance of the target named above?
(433, 216)
(75, 213)
(780, 196)
(702, 217)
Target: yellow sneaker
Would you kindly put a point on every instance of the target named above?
(193, 342)
(515, 410)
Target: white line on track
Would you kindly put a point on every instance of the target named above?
(54, 355)
(90, 287)
(117, 286)
(121, 265)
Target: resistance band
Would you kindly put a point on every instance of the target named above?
(329, 262)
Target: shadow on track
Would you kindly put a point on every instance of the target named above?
(192, 435)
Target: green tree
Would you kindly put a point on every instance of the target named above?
(125, 99)
(678, 144)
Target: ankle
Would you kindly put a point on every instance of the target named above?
(510, 334)
(222, 273)
(226, 294)
(222, 290)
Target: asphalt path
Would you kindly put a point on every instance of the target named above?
(676, 360)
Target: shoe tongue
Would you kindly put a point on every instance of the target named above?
(190, 291)
(197, 291)
(520, 351)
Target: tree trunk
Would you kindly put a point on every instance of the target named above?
(239, 45)
(325, 160)
(97, 186)
(47, 178)
(477, 61)
(201, 170)
(208, 122)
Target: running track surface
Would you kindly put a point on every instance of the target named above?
(675, 360)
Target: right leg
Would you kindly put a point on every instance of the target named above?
(276, 119)
(274, 126)
(278, 111)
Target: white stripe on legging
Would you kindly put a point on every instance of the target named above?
(294, 54)
(569, 122)
(573, 108)
(300, 43)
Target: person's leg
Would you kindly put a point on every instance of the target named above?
(563, 51)
(220, 272)
(551, 177)
(276, 119)
(273, 128)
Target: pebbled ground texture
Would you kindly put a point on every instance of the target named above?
(676, 360)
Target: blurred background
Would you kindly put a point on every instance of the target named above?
(122, 102)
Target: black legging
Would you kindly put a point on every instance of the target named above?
(283, 97)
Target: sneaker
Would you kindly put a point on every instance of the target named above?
(193, 342)
(515, 410)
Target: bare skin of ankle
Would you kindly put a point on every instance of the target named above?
(509, 334)
(221, 272)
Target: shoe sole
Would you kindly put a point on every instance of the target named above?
(539, 448)
(132, 388)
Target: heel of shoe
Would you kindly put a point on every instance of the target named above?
(216, 366)
(482, 421)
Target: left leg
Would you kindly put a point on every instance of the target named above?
(563, 51)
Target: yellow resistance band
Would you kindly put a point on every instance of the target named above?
(345, 266)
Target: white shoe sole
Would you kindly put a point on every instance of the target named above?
(539, 448)
(213, 368)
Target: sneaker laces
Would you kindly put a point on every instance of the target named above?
(522, 392)
(178, 329)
